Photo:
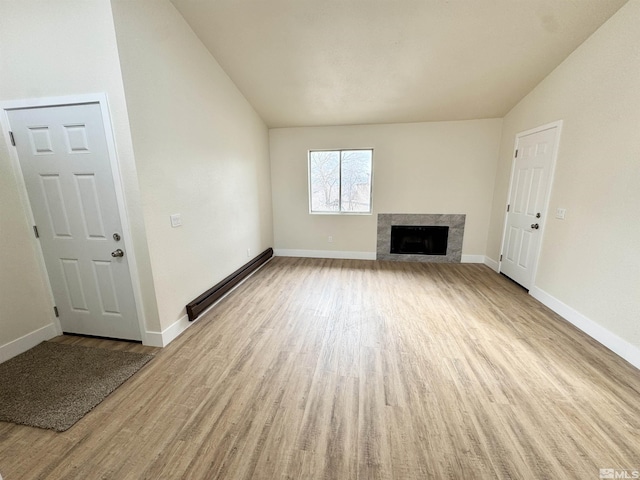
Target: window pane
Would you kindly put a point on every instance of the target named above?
(324, 174)
(356, 181)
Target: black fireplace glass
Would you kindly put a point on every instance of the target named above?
(419, 239)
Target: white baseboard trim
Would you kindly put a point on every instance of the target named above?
(164, 338)
(285, 252)
(152, 339)
(492, 264)
(26, 342)
(613, 342)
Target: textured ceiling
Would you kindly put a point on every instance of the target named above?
(339, 62)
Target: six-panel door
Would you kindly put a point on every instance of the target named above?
(527, 205)
(67, 170)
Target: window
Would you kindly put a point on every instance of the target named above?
(340, 181)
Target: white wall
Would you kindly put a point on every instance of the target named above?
(201, 151)
(590, 262)
(440, 167)
(56, 49)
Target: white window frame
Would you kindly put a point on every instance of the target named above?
(310, 189)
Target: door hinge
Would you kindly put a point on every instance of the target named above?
(500, 257)
(55, 310)
(13, 140)
(35, 231)
(508, 207)
(516, 153)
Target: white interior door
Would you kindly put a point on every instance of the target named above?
(530, 185)
(66, 166)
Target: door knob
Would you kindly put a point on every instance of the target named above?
(535, 226)
(120, 253)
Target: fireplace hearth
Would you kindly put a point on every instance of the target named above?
(420, 237)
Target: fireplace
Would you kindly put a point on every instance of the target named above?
(420, 237)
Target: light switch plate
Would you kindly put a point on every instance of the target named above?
(176, 220)
(560, 213)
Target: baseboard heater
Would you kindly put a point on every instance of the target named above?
(204, 301)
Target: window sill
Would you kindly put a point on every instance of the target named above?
(339, 214)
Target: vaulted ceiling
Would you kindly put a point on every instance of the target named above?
(340, 62)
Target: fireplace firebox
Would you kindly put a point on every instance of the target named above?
(419, 239)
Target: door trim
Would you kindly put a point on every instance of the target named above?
(102, 100)
(547, 126)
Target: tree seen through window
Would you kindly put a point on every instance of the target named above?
(340, 181)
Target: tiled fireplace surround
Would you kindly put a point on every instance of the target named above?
(455, 222)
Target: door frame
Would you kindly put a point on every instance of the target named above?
(102, 100)
(547, 126)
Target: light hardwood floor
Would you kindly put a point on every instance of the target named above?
(340, 369)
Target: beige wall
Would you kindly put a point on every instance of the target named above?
(201, 151)
(56, 49)
(591, 260)
(440, 167)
